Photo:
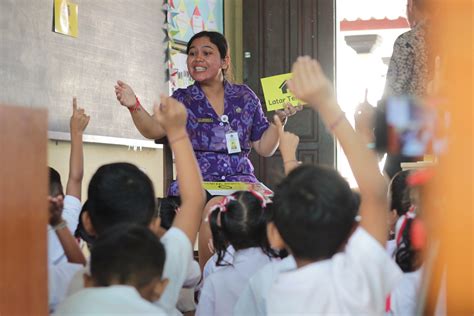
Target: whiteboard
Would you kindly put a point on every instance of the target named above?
(118, 39)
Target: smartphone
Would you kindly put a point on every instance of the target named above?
(410, 127)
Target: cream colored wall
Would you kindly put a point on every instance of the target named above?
(233, 33)
(149, 160)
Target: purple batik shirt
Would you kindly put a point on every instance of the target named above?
(207, 132)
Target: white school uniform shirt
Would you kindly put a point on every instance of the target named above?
(60, 271)
(110, 300)
(404, 297)
(390, 247)
(71, 210)
(223, 287)
(178, 258)
(354, 282)
(211, 265)
(253, 298)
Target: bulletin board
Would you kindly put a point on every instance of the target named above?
(185, 18)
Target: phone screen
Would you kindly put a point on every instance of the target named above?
(407, 126)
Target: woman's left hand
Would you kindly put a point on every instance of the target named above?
(287, 111)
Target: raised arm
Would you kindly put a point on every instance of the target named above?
(77, 125)
(288, 144)
(145, 123)
(311, 85)
(172, 115)
(269, 142)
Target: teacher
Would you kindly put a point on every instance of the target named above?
(225, 120)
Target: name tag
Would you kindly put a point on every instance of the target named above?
(233, 144)
(205, 120)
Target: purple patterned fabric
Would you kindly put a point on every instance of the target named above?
(207, 132)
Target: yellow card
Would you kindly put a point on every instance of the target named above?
(65, 18)
(276, 92)
(236, 186)
(227, 188)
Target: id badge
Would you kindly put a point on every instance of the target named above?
(233, 144)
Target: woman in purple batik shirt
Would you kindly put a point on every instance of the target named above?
(225, 120)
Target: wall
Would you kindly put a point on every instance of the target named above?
(150, 160)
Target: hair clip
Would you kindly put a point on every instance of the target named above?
(263, 200)
(221, 206)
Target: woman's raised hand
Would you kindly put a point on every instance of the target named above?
(125, 94)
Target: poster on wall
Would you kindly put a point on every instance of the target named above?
(188, 17)
(179, 75)
(184, 18)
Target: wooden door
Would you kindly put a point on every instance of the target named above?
(23, 211)
(275, 33)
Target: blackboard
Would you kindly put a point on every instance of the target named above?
(118, 39)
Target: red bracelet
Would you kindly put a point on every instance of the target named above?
(337, 121)
(177, 139)
(136, 107)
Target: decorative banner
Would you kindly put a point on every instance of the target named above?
(179, 75)
(65, 18)
(184, 18)
(276, 92)
(188, 17)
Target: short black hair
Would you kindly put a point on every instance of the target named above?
(80, 231)
(120, 193)
(55, 185)
(400, 193)
(167, 208)
(314, 212)
(128, 254)
(242, 224)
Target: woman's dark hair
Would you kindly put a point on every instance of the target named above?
(240, 222)
(127, 254)
(405, 256)
(220, 41)
(314, 212)
(400, 193)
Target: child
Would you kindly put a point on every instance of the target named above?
(72, 199)
(313, 218)
(168, 207)
(252, 299)
(239, 221)
(122, 193)
(403, 299)
(126, 268)
(63, 250)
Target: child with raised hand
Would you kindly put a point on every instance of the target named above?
(122, 193)
(252, 299)
(288, 145)
(239, 220)
(63, 250)
(313, 218)
(126, 275)
(72, 200)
